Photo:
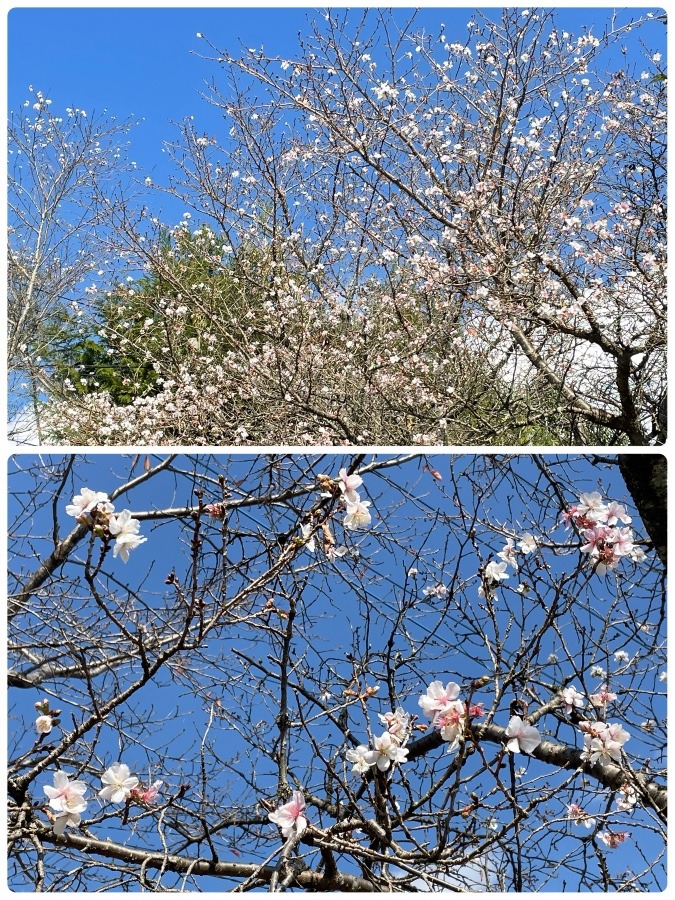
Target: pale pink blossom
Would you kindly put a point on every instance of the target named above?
(146, 794)
(450, 721)
(522, 738)
(592, 506)
(613, 839)
(438, 697)
(125, 531)
(577, 815)
(85, 501)
(66, 797)
(291, 816)
(495, 572)
(622, 541)
(603, 741)
(387, 752)
(65, 820)
(627, 798)
(508, 553)
(397, 723)
(571, 699)
(357, 756)
(617, 513)
(348, 485)
(357, 514)
(595, 539)
(527, 543)
(603, 697)
(118, 783)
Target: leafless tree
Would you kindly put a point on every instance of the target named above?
(63, 182)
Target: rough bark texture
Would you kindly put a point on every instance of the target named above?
(645, 477)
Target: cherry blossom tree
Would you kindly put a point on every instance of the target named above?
(463, 240)
(221, 678)
(63, 183)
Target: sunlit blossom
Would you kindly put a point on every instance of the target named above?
(522, 738)
(118, 783)
(387, 752)
(358, 515)
(360, 759)
(437, 697)
(291, 816)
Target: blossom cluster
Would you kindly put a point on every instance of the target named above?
(388, 748)
(495, 572)
(605, 542)
(66, 797)
(358, 515)
(94, 509)
(603, 741)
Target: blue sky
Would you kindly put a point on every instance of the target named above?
(387, 552)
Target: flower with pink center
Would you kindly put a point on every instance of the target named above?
(603, 697)
(622, 541)
(67, 799)
(603, 742)
(291, 816)
(571, 699)
(397, 723)
(613, 839)
(595, 539)
(577, 815)
(592, 506)
(476, 710)
(147, 794)
(522, 738)
(438, 697)
(348, 485)
(450, 722)
(617, 513)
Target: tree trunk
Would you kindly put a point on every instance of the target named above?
(645, 477)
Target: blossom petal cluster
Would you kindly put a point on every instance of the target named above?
(291, 816)
(523, 738)
(118, 783)
(447, 712)
(94, 508)
(604, 540)
(388, 749)
(66, 798)
(358, 515)
(578, 816)
(571, 698)
(603, 741)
